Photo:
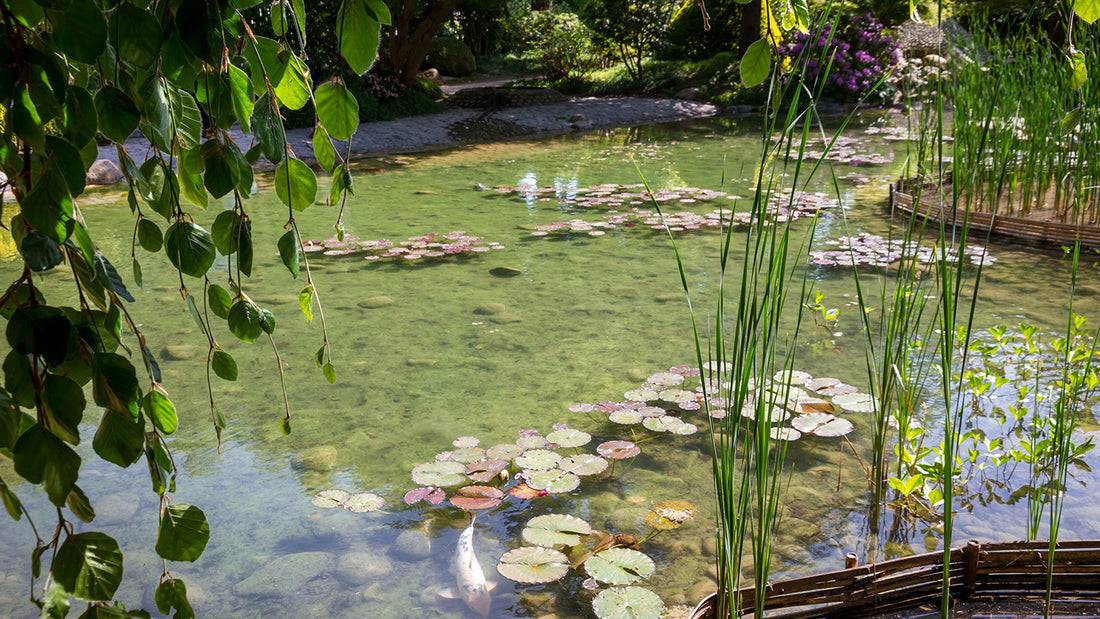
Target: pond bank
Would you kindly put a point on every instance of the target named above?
(466, 126)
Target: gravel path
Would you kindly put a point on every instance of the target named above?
(462, 126)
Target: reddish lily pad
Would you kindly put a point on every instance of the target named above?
(523, 491)
(618, 450)
(431, 494)
(485, 471)
(472, 498)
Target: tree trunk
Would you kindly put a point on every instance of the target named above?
(408, 47)
(751, 16)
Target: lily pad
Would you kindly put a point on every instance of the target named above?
(660, 424)
(364, 502)
(538, 459)
(817, 384)
(791, 377)
(785, 434)
(554, 481)
(619, 566)
(811, 405)
(328, 499)
(463, 442)
(440, 474)
(504, 451)
(627, 603)
(471, 498)
(652, 411)
(838, 389)
(468, 455)
(822, 424)
(533, 564)
(569, 438)
(583, 464)
(670, 514)
(625, 416)
(640, 395)
(555, 530)
(523, 491)
(683, 428)
(717, 366)
(431, 494)
(777, 414)
(534, 441)
(855, 402)
(618, 450)
(665, 379)
(679, 396)
(484, 471)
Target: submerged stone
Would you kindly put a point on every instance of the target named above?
(490, 309)
(177, 352)
(506, 272)
(423, 363)
(505, 318)
(285, 575)
(412, 544)
(375, 302)
(356, 568)
(319, 459)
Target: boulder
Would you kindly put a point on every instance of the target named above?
(284, 576)
(451, 57)
(689, 94)
(104, 172)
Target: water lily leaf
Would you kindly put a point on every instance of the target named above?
(811, 405)
(523, 491)
(625, 416)
(431, 494)
(569, 438)
(532, 442)
(678, 396)
(618, 450)
(838, 389)
(533, 564)
(619, 566)
(660, 424)
(538, 459)
(640, 395)
(504, 451)
(817, 384)
(855, 402)
(682, 428)
(463, 442)
(775, 414)
(555, 530)
(665, 379)
(468, 455)
(785, 434)
(364, 502)
(791, 377)
(627, 603)
(652, 411)
(477, 497)
(554, 481)
(485, 470)
(330, 498)
(440, 474)
(822, 424)
(583, 464)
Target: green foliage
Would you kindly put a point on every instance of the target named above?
(634, 28)
(451, 57)
(687, 38)
(105, 70)
(559, 45)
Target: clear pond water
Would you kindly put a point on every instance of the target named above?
(430, 351)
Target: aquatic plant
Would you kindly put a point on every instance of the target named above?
(877, 251)
(426, 247)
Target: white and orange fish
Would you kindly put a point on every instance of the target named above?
(471, 586)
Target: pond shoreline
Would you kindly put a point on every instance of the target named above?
(456, 127)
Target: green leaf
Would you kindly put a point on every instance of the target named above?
(1079, 73)
(79, 119)
(267, 321)
(157, 115)
(63, 406)
(18, 379)
(319, 356)
(40, 252)
(162, 472)
(189, 248)
(267, 126)
(49, 208)
(41, 330)
(244, 320)
(222, 172)
(178, 64)
(119, 440)
(183, 533)
(25, 119)
(288, 251)
(186, 115)
(294, 87)
(241, 90)
(115, 384)
(322, 148)
(65, 159)
(11, 502)
(225, 230)
(1088, 10)
(149, 235)
(329, 372)
(89, 566)
(756, 63)
(299, 14)
(160, 410)
(172, 595)
(26, 12)
(200, 29)
(118, 116)
(295, 184)
(305, 301)
(224, 365)
(42, 458)
(337, 109)
(1071, 119)
(278, 18)
(138, 35)
(219, 300)
(284, 426)
(106, 273)
(80, 31)
(79, 504)
(191, 167)
(358, 32)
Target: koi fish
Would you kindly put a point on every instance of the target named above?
(472, 587)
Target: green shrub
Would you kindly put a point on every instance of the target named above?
(686, 38)
(451, 57)
(558, 44)
(428, 87)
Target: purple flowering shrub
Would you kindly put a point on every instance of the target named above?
(860, 54)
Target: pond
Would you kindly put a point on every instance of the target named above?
(488, 344)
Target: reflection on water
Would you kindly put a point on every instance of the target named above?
(431, 351)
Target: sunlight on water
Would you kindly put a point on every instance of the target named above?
(432, 350)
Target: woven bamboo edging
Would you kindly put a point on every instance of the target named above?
(928, 198)
(1005, 570)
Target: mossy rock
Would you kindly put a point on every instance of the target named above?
(451, 57)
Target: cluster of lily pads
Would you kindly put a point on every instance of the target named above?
(810, 404)
(611, 195)
(874, 250)
(429, 246)
(781, 209)
(849, 151)
(559, 543)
